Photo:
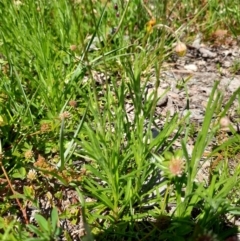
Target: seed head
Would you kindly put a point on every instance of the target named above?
(73, 103)
(32, 174)
(45, 127)
(176, 166)
(65, 115)
(41, 162)
(28, 154)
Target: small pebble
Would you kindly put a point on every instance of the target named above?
(191, 67)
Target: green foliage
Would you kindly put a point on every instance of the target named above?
(48, 229)
(68, 69)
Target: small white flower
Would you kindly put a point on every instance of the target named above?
(32, 174)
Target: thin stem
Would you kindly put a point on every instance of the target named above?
(11, 187)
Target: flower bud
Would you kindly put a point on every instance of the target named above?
(150, 24)
(224, 122)
(181, 49)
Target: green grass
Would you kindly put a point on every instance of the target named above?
(54, 114)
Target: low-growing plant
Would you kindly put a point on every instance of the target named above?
(69, 72)
(48, 228)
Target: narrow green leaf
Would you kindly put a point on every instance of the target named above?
(37, 231)
(79, 127)
(54, 219)
(42, 222)
(61, 142)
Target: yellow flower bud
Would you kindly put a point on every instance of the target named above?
(150, 24)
